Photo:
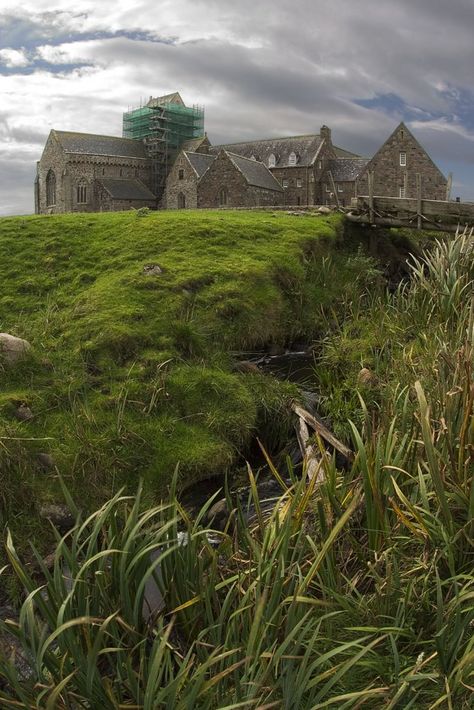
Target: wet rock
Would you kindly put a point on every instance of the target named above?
(58, 514)
(246, 367)
(152, 270)
(218, 514)
(23, 413)
(46, 461)
(12, 349)
(324, 210)
(367, 378)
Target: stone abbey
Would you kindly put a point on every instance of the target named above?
(165, 160)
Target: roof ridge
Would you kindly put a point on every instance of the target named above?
(96, 135)
(261, 140)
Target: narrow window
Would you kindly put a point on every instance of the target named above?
(403, 159)
(320, 164)
(299, 182)
(121, 172)
(402, 134)
(271, 160)
(340, 188)
(50, 188)
(181, 201)
(285, 183)
(292, 158)
(223, 197)
(103, 171)
(181, 174)
(327, 188)
(81, 192)
(402, 191)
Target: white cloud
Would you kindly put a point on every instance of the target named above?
(13, 58)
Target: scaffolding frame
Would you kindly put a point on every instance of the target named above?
(164, 127)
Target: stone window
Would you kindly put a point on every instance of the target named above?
(121, 172)
(103, 171)
(181, 201)
(402, 191)
(285, 183)
(292, 158)
(403, 159)
(50, 188)
(340, 188)
(223, 197)
(299, 182)
(181, 174)
(272, 160)
(320, 164)
(81, 192)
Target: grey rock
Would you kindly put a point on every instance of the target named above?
(23, 413)
(152, 270)
(367, 378)
(58, 514)
(324, 210)
(12, 349)
(46, 461)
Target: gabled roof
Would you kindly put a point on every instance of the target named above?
(126, 189)
(409, 136)
(173, 98)
(91, 144)
(347, 169)
(305, 147)
(343, 153)
(254, 172)
(195, 143)
(199, 161)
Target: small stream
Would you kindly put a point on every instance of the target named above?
(294, 366)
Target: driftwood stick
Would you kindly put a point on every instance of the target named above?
(323, 431)
(310, 452)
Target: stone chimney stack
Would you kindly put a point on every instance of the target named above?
(325, 133)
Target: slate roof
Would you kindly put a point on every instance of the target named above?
(255, 173)
(305, 147)
(173, 98)
(347, 169)
(91, 144)
(194, 143)
(342, 153)
(126, 189)
(200, 161)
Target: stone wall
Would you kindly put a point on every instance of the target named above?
(182, 180)
(71, 170)
(302, 183)
(390, 176)
(224, 175)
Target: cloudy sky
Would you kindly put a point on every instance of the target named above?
(261, 68)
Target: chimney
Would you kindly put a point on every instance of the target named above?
(325, 133)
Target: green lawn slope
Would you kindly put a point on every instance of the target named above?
(131, 373)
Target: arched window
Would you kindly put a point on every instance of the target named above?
(81, 192)
(50, 188)
(181, 201)
(292, 158)
(272, 160)
(223, 197)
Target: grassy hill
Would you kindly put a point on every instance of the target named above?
(135, 322)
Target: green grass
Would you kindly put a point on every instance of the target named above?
(354, 593)
(131, 374)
